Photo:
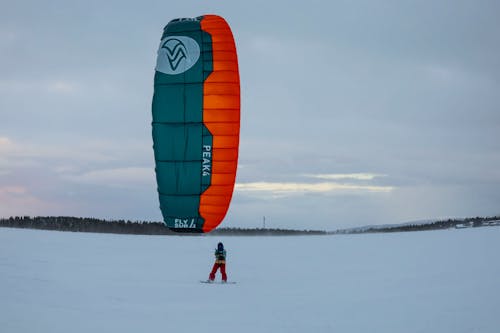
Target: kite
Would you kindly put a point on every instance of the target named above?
(196, 122)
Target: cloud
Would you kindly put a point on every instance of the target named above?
(61, 86)
(338, 176)
(128, 177)
(5, 144)
(14, 155)
(48, 86)
(8, 35)
(55, 178)
(63, 156)
(334, 183)
(50, 170)
(15, 199)
(8, 190)
(290, 188)
(7, 153)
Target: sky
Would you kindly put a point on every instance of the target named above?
(352, 113)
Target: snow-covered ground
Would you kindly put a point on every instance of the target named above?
(436, 281)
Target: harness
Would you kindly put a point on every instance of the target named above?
(220, 256)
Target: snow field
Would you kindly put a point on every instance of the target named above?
(436, 281)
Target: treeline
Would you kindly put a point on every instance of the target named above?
(85, 224)
(471, 222)
(265, 232)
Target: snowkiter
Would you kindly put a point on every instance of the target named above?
(220, 262)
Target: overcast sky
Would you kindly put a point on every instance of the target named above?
(353, 112)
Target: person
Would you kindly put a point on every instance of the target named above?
(220, 262)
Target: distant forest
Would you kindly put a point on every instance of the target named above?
(85, 224)
(470, 222)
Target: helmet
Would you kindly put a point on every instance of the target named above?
(220, 246)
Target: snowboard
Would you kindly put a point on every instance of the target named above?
(217, 282)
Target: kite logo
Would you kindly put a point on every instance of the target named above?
(177, 54)
(207, 160)
(184, 223)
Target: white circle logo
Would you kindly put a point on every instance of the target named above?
(177, 54)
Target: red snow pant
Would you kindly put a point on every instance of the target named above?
(222, 271)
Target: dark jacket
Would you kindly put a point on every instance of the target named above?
(220, 256)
